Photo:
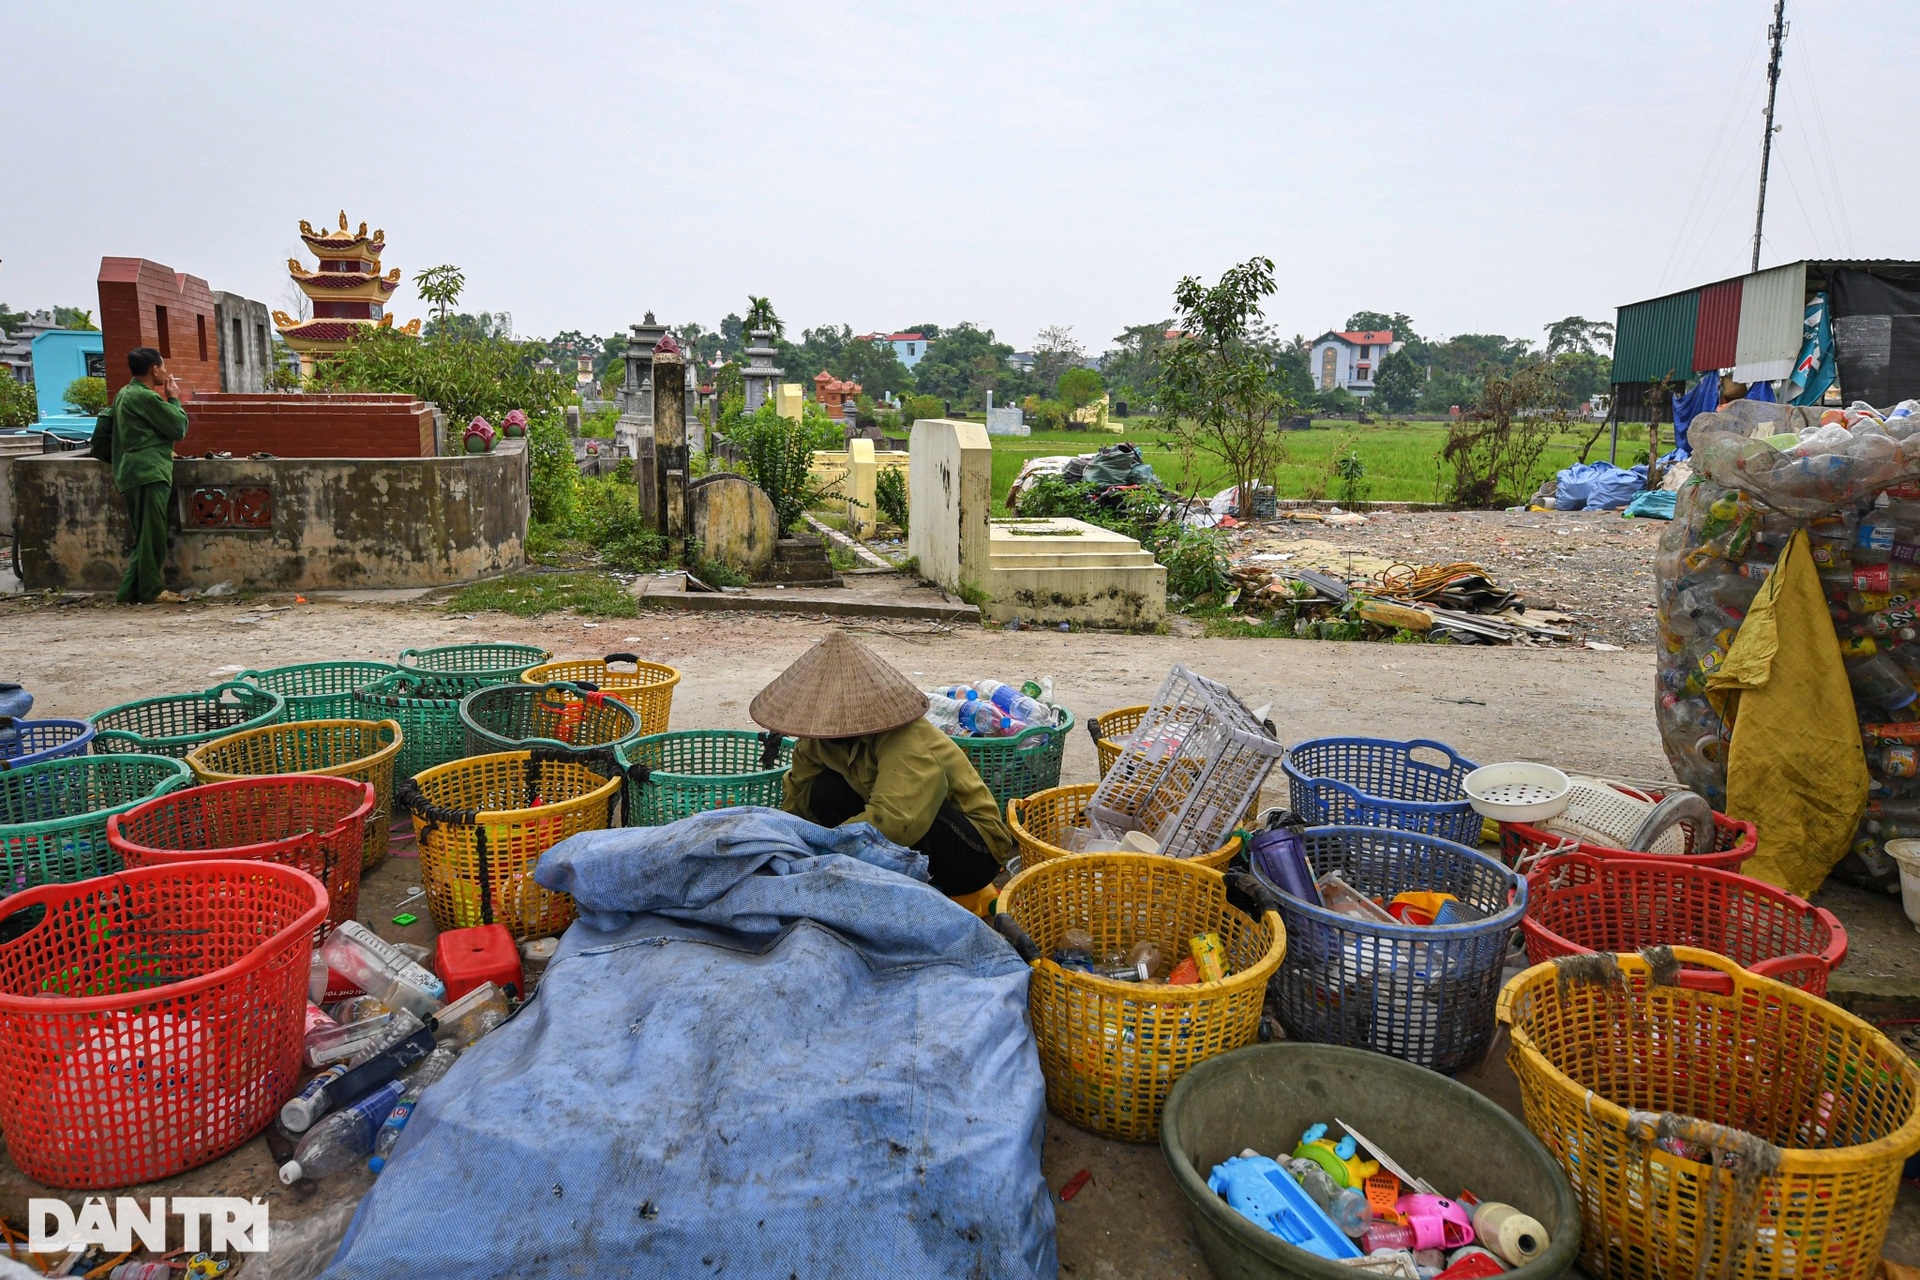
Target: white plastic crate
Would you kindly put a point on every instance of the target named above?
(1190, 772)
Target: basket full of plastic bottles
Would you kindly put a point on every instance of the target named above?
(1014, 737)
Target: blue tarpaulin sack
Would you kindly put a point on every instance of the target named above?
(1597, 486)
(766, 1049)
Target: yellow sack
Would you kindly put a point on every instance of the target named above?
(1795, 767)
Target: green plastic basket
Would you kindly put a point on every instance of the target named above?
(498, 663)
(178, 722)
(558, 717)
(1014, 768)
(673, 775)
(53, 815)
(428, 709)
(319, 690)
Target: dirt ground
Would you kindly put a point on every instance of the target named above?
(1591, 565)
(1582, 709)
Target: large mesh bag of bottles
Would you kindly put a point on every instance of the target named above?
(1851, 479)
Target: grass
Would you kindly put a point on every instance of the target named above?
(1400, 457)
(528, 595)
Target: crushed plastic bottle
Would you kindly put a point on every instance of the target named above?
(471, 1016)
(338, 1141)
(363, 957)
(438, 1063)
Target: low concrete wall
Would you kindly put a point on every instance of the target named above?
(285, 524)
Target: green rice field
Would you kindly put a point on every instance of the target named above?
(1401, 458)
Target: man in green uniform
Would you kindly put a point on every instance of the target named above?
(144, 420)
(867, 753)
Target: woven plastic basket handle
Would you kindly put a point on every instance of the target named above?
(1454, 760)
(405, 654)
(1342, 793)
(131, 741)
(631, 659)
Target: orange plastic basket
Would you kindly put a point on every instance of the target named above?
(151, 1020)
(1110, 1050)
(1578, 904)
(304, 820)
(482, 823)
(647, 687)
(1751, 1133)
(1040, 823)
(1110, 729)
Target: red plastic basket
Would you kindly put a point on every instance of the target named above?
(310, 821)
(1733, 841)
(151, 1020)
(1578, 904)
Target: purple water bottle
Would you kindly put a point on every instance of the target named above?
(1279, 853)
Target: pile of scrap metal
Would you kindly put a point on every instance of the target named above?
(1456, 601)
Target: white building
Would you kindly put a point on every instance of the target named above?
(910, 347)
(1350, 359)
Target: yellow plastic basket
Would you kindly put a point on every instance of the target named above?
(1109, 729)
(1039, 824)
(481, 833)
(363, 750)
(647, 687)
(1112, 1050)
(1731, 1127)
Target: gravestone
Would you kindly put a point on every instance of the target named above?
(732, 522)
(670, 440)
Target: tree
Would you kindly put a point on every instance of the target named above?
(10, 319)
(1294, 360)
(834, 349)
(74, 318)
(18, 405)
(964, 363)
(1130, 368)
(1494, 451)
(88, 395)
(1396, 388)
(1054, 352)
(441, 286)
(733, 331)
(1577, 333)
(1582, 375)
(1219, 393)
(926, 331)
(760, 315)
(476, 377)
(465, 327)
(1078, 388)
(1334, 402)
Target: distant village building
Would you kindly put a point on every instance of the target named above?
(910, 347)
(1350, 359)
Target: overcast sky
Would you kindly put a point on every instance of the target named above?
(1480, 166)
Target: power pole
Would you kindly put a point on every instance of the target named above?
(1777, 33)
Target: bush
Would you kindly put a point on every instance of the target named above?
(913, 408)
(890, 495)
(554, 475)
(466, 377)
(18, 407)
(607, 515)
(599, 425)
(778, 456)
(88, 395)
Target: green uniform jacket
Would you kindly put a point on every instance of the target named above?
(906, 774)
(145, 425)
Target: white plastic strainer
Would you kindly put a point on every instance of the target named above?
(1517, 791)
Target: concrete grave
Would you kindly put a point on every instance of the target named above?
(1055, 570)
(733, 522)
(246, 352)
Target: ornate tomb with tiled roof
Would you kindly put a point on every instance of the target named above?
(348, 293)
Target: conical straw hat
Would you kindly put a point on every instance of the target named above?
(838, 689)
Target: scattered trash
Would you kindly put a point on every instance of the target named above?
(1075, 1183)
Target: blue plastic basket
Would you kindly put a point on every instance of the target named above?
(1377, 782)
(25, 742)
(1425, 994)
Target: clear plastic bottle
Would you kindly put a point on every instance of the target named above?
(1014, 703)
(341, 1139)
(1881, 681)
(945, 714)
(471, 1016)
(363, 957)
(428, 1073)
(1346, 1207)
(345, 1083)
(985, 720)
(1873, 539)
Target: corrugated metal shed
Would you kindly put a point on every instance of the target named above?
(1654, 339)
(1716, 329)
(1773, 304)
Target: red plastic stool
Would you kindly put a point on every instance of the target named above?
(465, 958)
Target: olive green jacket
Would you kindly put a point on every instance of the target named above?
(906, 774)
(145, 425)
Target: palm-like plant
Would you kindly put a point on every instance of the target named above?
(441, 286)
(760, 316)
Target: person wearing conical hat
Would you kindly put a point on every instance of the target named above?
(867, 753)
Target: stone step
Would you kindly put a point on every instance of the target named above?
(800, 550)
(1092, 559)
(809, 573)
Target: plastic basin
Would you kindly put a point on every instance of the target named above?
(1265, 1095)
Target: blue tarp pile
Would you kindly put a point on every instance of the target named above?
(1597, 486)
(765, 1049)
